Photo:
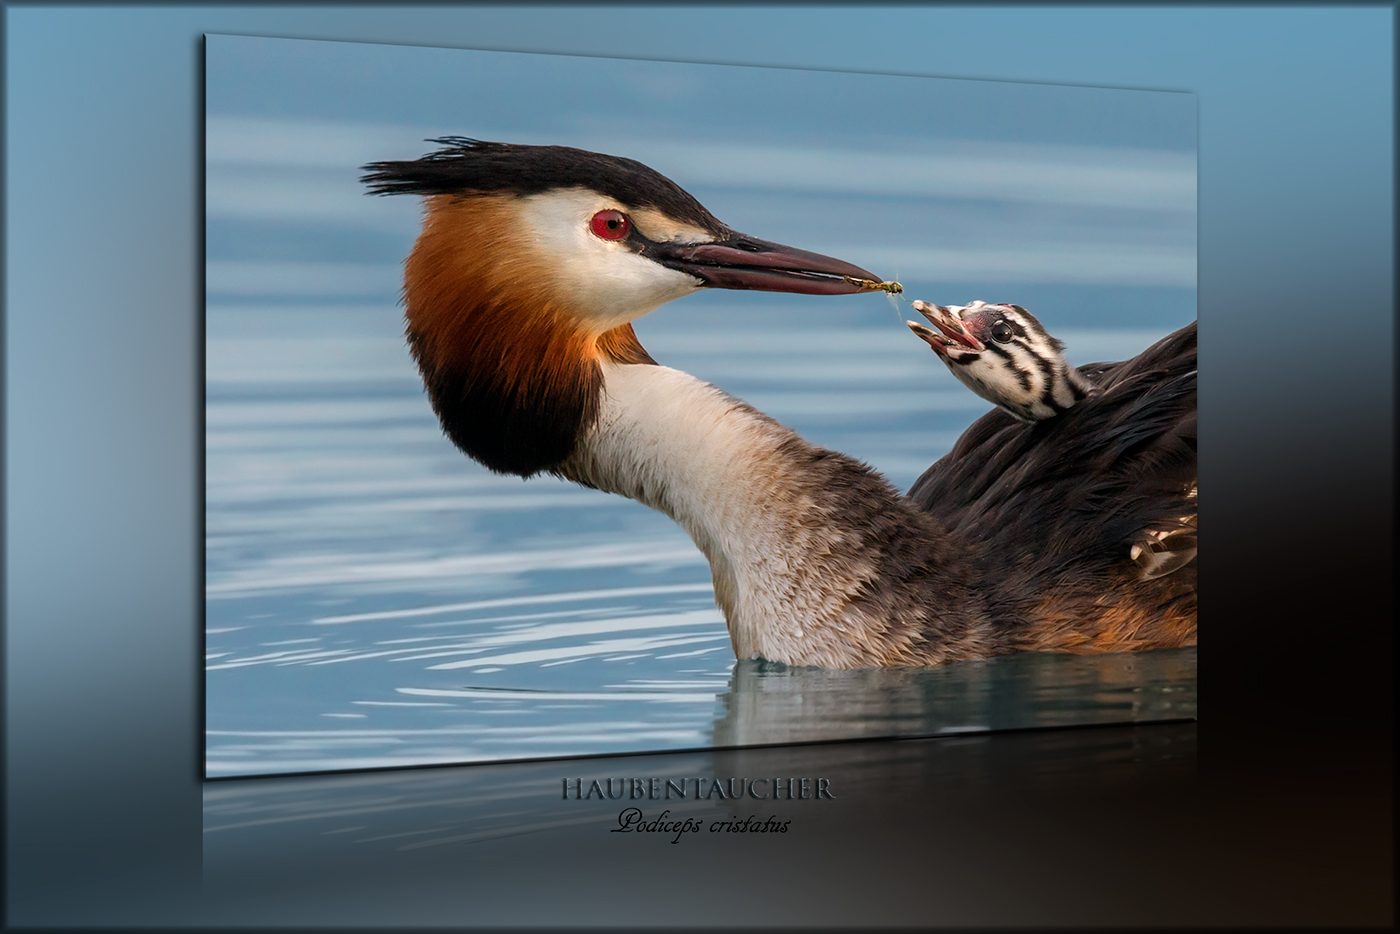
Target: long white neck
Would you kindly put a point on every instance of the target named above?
(816, 560)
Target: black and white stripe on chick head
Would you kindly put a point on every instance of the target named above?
(1005, 355)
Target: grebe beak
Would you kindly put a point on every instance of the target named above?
(949, 323)
(743, 262)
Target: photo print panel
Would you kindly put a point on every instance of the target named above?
(385, 359)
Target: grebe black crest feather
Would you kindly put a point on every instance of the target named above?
(470, 166)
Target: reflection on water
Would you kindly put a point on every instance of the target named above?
(373, 598)
(774, 703)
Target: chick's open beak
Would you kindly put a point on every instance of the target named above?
(948, 322)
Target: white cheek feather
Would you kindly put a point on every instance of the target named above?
(992, 379)
(604, 281)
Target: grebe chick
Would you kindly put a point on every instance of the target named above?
(1002, 353)
(519, 293)
(1005, 355)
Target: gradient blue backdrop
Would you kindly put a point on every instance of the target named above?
(103, 258)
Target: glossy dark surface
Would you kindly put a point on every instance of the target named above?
(453, 845)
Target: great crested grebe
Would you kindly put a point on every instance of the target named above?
(519, 293)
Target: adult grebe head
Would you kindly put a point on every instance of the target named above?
(531, 264)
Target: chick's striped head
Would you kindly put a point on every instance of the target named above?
(1005, 355)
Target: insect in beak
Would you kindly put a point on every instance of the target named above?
(870, 285)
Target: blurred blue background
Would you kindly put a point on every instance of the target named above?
(373, 598)
(103, 404)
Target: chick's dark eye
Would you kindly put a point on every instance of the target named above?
(611, 225)
(1001, 332)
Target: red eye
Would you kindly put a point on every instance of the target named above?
(611, 225)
